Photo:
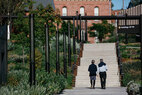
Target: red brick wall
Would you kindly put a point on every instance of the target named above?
(89, 5)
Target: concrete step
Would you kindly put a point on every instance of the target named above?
(97, 53)
(105, 51)
(108, 60)
(111, 65)
(99, 46)
(113, 78)
(85, 68)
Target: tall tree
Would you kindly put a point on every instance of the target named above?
(11, 7)
(135, 2)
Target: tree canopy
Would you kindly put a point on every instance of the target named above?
(135, 2)
(102, 29)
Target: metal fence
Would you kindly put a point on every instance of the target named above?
(134, 11)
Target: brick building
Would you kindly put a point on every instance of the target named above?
(89, 7)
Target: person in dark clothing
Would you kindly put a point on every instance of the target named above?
(102, 72)
(92, 69)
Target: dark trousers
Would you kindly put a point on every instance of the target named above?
(103, 79)
(92, 83)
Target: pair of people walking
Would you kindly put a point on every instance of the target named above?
(102, 68)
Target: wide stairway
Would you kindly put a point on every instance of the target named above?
(105, 51)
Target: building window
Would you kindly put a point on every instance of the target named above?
(82, 11)
(96, 11)
(64, 11)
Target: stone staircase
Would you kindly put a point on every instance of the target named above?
(105, 51)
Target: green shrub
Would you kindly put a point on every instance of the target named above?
(92, 34)
(133, 88)
(38, 59)
(132, 71)
(46, 84)
(110, 40)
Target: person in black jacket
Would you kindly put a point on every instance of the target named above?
(92, 69)
(102, 72)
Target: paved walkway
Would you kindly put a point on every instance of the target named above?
(97, 91)
(105, 51)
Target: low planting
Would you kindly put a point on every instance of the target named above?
(46, 84)
(131, 63)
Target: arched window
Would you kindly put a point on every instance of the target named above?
(64, 11)
(96, 11)
(82, 11)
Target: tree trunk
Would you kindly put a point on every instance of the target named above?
(101, 40)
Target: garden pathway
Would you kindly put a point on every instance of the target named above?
(106, 51)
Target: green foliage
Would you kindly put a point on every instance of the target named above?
(10, 7)
(64, 28)
(92, 34)
(110, 40)
(47, 84)
(53, 43)
(135, 2)
(38, 59)
(102, 29)
(49, 17)
(130, 62)
(130, 51)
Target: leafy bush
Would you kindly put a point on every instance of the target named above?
(132, 71)
(110, 40)
(38, 59)
(133, 88)
(46, 84)
(92, 34)
(53, 43)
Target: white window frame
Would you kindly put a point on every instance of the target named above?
(82, 11)
(96, 12)
(64, 11)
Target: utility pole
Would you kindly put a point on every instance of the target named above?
(123, 4)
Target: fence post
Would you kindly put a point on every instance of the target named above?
(80, 28)
(32, 51)
(47, 49)
(119, 55)
(140, 22)
(3, 54)
(65, 59)
(74, 46)
(57, 50)
(77, 26)
(69, 45)
(126, 35)
(86, 33)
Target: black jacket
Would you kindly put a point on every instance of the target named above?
(92, 69)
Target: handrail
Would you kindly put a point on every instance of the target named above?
(119, 62)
